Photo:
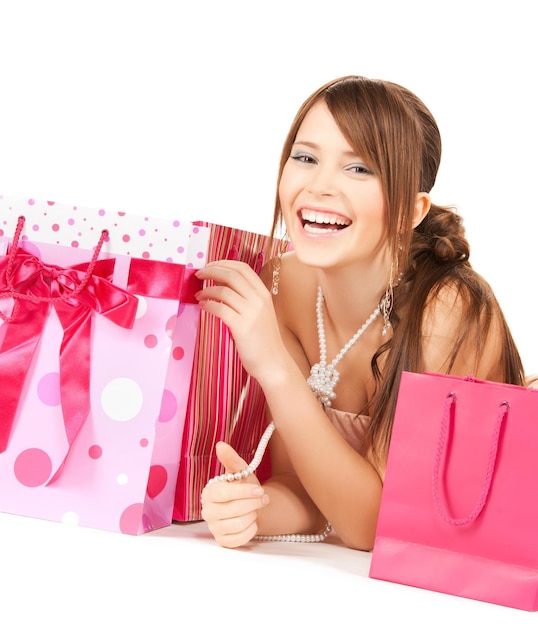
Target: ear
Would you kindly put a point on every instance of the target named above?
(422, 206)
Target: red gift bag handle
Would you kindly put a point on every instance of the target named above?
(448, 416)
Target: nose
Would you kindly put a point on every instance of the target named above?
(322, 181)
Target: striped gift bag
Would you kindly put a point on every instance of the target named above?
(225, 403)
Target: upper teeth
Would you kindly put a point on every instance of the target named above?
(323, 218)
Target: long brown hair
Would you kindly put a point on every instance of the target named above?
(395, 132)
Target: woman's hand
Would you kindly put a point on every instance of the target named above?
(231, 508)
(237, 296)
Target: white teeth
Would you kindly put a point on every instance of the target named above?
(311, 229)
(317, 217)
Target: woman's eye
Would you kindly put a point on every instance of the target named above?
(303, 157)
(359, 168)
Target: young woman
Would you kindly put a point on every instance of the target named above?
(379, 281)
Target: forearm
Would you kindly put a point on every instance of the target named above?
(343, 485)
(290, 510)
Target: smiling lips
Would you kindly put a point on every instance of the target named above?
(319, 222)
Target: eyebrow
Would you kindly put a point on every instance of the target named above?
(311, 144)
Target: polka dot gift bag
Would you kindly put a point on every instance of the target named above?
(98, 325)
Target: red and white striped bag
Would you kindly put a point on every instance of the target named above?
(225, 403)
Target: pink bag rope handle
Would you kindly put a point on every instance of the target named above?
(492, 459)
(17, 296)
(75, 293)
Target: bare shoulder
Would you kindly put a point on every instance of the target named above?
(451, 342)
(444, 311)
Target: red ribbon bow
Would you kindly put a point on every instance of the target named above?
(75, 293)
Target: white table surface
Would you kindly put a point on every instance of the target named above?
(52, 573)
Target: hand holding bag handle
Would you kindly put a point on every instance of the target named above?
(448, 415)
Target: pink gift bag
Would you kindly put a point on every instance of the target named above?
(459, 512)
(225, 403)
(98, 324)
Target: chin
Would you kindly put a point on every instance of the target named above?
(317, 258)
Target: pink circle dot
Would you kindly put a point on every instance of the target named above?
(74, 244)
(70, 221)
(95, 452)
(145, 255)
(176, 223)
(56, 227)
(31, 202)
(32, 467)
(48, 389)
(35, 227)
(126, 238)
(130, 519)
(170, 325)
(50, 202)
(195, 230)
(178, 353)
(181, 249)
(150, 341)
(144, 443)
(141, 232)
(101, 212)
(158, 477)
(168, 406)
(200, 255)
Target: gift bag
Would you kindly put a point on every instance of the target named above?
(459, 509)
(225, 403)
(98, 323)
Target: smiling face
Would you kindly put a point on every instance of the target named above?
(332, 200)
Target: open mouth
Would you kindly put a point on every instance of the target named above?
(321, 222)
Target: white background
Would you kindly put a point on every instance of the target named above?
(180, 109)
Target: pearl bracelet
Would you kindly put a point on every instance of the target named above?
(298, 538)
(250, 469)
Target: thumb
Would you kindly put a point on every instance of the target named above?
(229, 458)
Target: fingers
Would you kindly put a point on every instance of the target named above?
(229, 458)
(224, 271)
(234, 275)
(230, 508)
(229, 536)
(231, 511)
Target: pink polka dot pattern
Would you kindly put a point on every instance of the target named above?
(129, 234)
(117, 474)
(48, 389)
(150, 341)
(170, 325)
(130, 519)
(32, 467)
(158, 477)
(95, 452)
(168, 406)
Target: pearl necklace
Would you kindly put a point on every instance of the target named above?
(322, 381)
(250, 469)
(323, 378)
